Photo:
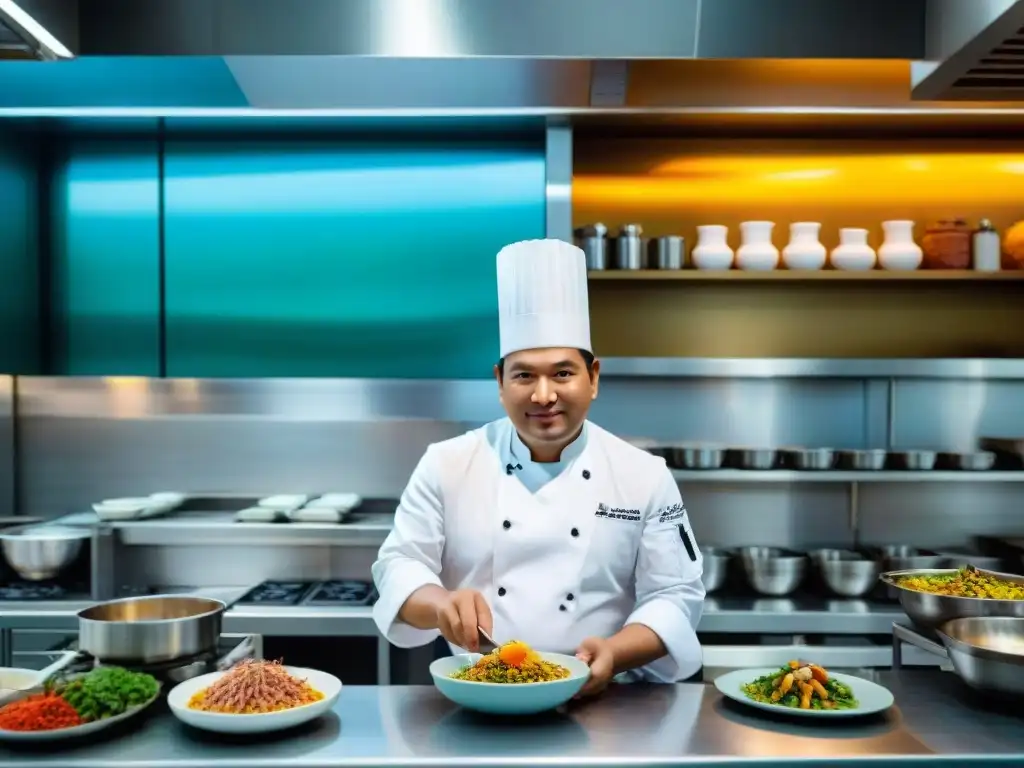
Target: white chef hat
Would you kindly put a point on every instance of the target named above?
(542, 296)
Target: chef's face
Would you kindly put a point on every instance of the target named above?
(547, 393)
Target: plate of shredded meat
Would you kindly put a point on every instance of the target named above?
(254, 696)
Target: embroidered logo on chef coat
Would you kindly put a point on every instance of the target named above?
(672, 513)
(616, 513)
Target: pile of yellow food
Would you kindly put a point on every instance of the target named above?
(514, 662)
(799, 685)
(255, 687)
(967, 582)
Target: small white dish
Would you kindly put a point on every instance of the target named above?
(872, 697)
(260, 515)
(341, 501)
(171, 498)
(316, 515)
(218, 722)
(284, 502)
(116, 513)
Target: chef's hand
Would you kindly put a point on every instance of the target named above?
(458, 616)
(597, 653)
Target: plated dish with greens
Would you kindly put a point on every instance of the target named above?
(804, 689)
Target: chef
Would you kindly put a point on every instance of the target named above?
(542, 526)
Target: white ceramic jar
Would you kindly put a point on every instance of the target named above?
(804, 250)
(899, 251)
(853, 252)
(712, 250)
(757, 253)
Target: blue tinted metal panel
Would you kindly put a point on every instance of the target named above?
(120, 81)
(19, 277)
(106, 263)
(312, 258)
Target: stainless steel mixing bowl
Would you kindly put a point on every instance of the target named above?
(930, 611)
(987, 653)
(845, 572)
(773, 571)
(38, 552)
(716, 566)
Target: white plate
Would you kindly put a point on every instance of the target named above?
(78, 730)
(873, 698)
(218, 722)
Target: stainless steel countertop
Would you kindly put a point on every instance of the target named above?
(936, 720)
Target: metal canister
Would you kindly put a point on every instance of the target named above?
(668, 252)
(593, 240)
(629, 247)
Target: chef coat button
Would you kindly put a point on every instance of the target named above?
(501, 591)
(569, 597)
(575, 532)
(586, 474)
(506, 525)
(561, 608)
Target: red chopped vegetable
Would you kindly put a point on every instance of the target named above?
(40, 712)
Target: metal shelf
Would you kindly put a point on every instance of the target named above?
(792, 616)
(839, 476)
(807, 275)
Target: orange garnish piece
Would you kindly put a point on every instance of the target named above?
(514, 653)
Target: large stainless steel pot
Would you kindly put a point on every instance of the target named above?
(986, 653)
(931, 611)
(150, 630)
(38, 552)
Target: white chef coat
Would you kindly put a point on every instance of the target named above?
(602, 545)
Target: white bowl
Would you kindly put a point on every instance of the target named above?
(218, 722)
(509, 698)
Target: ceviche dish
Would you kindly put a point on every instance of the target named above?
(800, 685)
(966, 582)
(514, 662)
(255, 687)
(103, 693)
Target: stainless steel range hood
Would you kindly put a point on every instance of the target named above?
(580, 29)
(974, 51)
(26, 31)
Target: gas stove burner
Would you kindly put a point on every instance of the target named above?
(176, 670)
(277, 593)
(33, 591)
(346, 592)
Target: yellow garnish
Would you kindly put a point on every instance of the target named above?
(514, 653)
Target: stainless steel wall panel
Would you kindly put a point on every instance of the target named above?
(952, 415)
(936, 514)
(310, 400)
(226, 565)
(797, 516)
(394, 276)
(106, 265)
(751, 412)
(19, 256)
(66, 464)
